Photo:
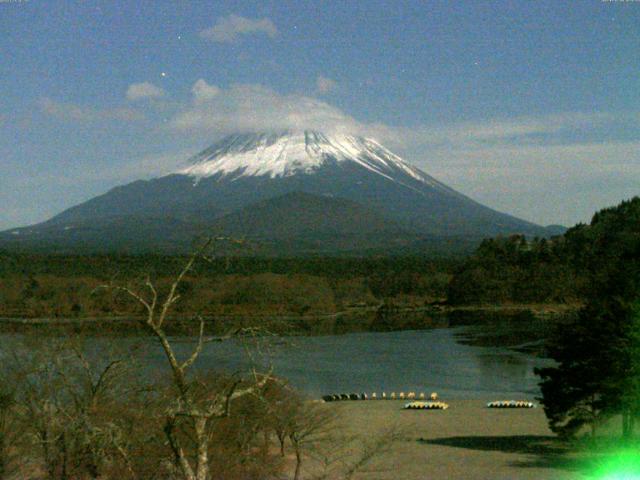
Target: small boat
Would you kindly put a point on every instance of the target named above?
(426, 406)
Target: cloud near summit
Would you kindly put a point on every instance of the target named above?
(257, 108)
(216, 111)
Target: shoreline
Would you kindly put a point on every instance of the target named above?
(345, 322)
(536, 309)
(352, 321)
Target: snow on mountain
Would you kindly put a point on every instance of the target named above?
(290, 153)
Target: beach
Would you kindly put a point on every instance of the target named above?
(466, 441)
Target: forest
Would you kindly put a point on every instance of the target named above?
(36, 286)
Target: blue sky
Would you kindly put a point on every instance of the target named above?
(532, 108)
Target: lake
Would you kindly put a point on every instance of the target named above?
(465, 356)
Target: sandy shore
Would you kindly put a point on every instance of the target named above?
(467, 441)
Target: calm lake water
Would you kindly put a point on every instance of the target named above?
(419, 360)
(465, 356)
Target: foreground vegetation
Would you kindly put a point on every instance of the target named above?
(68, 411)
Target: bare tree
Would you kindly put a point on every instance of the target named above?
(309, 425)
(371, 449)
(312, 431)
(7, 427)
(39, 395)
(70, 411)
(345, 456)
(193, 405)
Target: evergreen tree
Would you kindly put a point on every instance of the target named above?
(572, 392)
(598, 355)
(629, 372)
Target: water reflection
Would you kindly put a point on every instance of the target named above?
(461, 356)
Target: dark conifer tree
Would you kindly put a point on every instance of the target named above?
(598, 355)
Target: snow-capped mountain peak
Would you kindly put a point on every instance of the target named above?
(291, 192)
(290, 153)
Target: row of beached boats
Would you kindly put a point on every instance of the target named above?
(426, 406)
(383, 396)
(443, 406)
(511, 404)
(420, 401)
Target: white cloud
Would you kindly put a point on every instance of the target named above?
(81, 113)
(203, 92)
(228, 29)
(324, 84)
(143, 90)
(257, 108)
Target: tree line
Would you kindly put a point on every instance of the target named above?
(33, 286)
(517, 269)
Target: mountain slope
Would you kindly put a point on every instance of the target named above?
(304, 222)
(244, 169)
(114, 234)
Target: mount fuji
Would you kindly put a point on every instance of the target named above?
(289, 192)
